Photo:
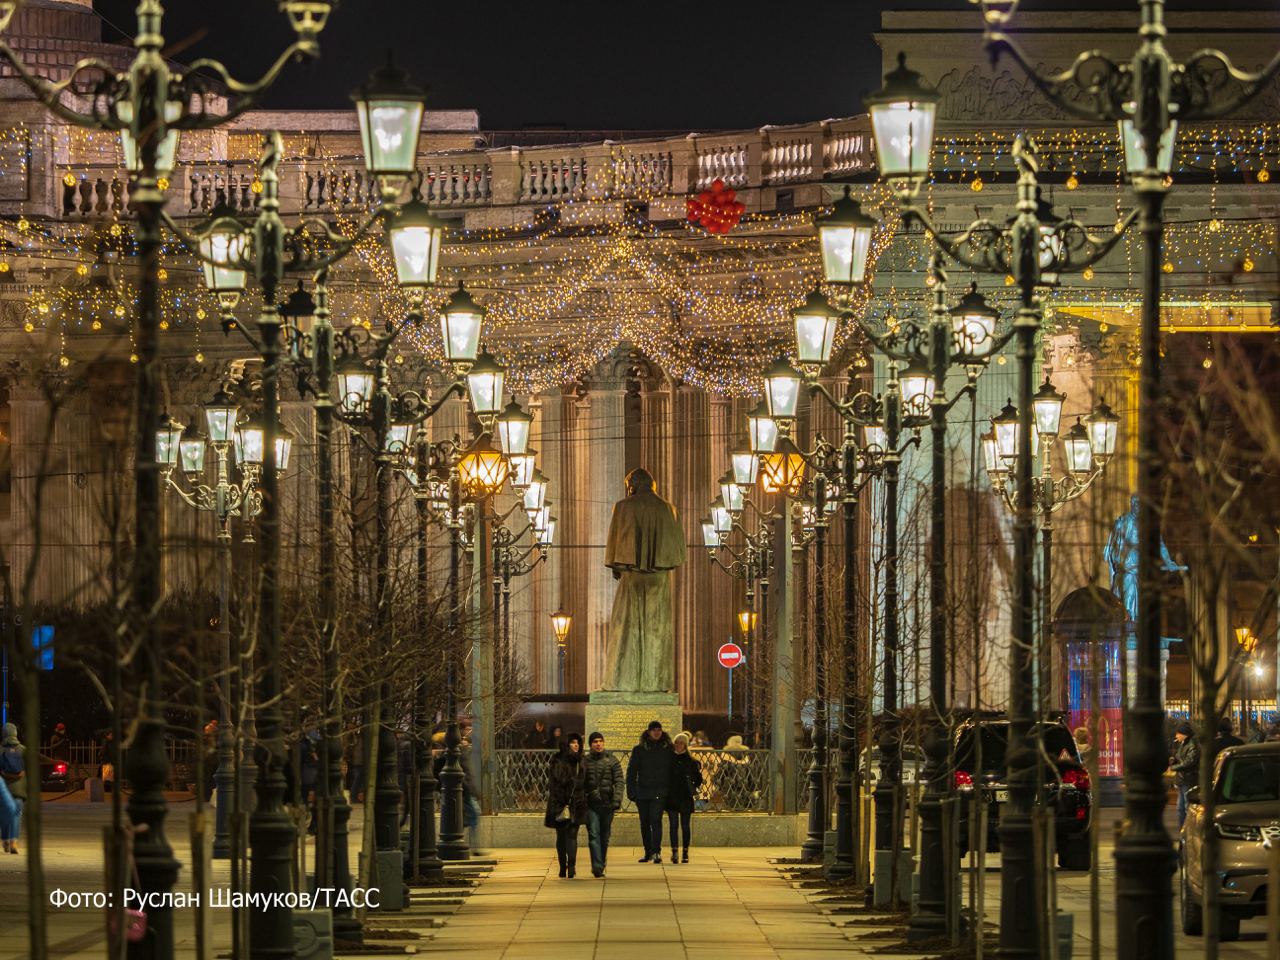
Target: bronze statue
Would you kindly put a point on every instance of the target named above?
(645, 544)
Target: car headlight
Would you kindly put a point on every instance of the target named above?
(1238, 831)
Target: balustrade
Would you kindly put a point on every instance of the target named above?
(478, 178)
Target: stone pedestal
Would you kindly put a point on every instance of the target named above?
(622, 716)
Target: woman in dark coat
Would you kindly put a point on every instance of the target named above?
(567, 802)
(686, 781)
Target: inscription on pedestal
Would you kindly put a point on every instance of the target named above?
(622, 724)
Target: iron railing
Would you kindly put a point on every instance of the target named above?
(733, 781)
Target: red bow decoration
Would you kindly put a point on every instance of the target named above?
(717, 210)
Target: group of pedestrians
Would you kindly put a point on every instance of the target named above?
(1184, 761)
(662, 777)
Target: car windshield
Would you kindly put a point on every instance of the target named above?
(1250, 779)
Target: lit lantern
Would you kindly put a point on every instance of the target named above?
(1102, 425)
(1049, 254)
(747, 622)
(547, 535)
(251, 441)
(166, 149)
(1006, 431)
(535, 494)
(917, 386)
(762, 429)
(845, 238)
(815, 326)
(875, 439)
(710, 535)
(1138, 159)
(168, 436)
(560, 624)
(746, 467)
(1046, 408)
(222, 249)
(399, 437)
(390, 107)
(973, 321)
(284, 446)
(484, 385)
(781, 390)
(355, 385)
(721, 518)
(191, 451)
(1079, 451)
(782, 471)
(731, 494)
(513, 429)
(220, 417)
(522, 467)
(483, 468)
(416, 236)
(997, 469)
(460, 322)
(902, 119)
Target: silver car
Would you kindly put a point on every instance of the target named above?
(1246, 790)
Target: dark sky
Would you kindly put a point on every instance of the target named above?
(591, 64)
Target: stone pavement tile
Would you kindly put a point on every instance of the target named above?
(642, 950)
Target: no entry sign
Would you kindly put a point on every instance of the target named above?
(729, 656)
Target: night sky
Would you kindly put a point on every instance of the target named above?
(655, 65)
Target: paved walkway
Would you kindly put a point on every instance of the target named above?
(727, 902)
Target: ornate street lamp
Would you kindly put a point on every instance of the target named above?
(903, 113)
(560, 624)
(782, 471)
(711, 538)
(1046, 408)
(250, 441)
(482, 468)
(918, 387)
(762, 429)
(1102, 425)
(390, 108)
(484, 385)
(973, 321)
(461, 320)
(416, 236)
(535, 492)
(355, 385)
(168, 437)
(221, 250)
(815, 326)
(844, 236)
(781, 392)
(746, 467)
(514, 424)
(523, 466)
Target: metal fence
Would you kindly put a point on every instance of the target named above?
(85, 758)
(732, 781)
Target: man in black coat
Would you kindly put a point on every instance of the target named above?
(648, 783)
(604, 799)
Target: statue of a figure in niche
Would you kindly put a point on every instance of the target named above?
(1121, 556)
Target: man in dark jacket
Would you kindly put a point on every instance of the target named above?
(604, 799)
(648, 783)
(1226, 737)
(1186, 765)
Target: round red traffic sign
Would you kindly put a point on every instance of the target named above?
(729, 656)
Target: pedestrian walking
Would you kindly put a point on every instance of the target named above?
(604, 785)
(567, 802)
(648, 783)
(13, 772)
(686, 781)
(1185, 764)
(60, 744)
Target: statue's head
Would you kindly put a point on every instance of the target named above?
(1133, 503)
(639, 480)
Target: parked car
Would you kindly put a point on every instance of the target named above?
(53, 776)
(1246, 816)
(913, 760)
(1067, 788)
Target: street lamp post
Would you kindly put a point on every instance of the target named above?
(224, 499)
(560, 624)
(228, 250)
(1087, 451)
(150, 104)
(1033, 248)
(1147, 97)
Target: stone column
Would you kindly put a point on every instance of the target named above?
(690, 491)
(604, 437)
(548, 429)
